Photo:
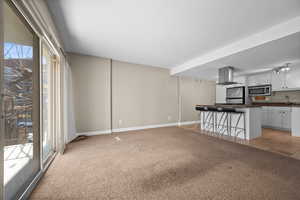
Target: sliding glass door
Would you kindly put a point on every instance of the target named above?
(30, 83)
(48, 94)
(1, 119)
(21, 104)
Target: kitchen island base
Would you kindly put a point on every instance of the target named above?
(239, 123)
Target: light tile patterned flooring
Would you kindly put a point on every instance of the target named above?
(279, 142)
(276, 141)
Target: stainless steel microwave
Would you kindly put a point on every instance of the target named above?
(260, 90)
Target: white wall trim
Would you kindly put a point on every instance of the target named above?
(179, 99)
(273, 33)
(188, 123)
(117, 130)
(91, 133)
(144, 127)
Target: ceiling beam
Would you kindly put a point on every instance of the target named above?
(273, 33)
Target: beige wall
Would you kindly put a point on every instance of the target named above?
(91, 79)
(194, 92)
(143, 95)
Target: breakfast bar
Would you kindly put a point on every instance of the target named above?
(237, 121)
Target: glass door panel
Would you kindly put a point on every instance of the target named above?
(47, 102)
(21, 104)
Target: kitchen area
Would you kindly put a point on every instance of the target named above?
(260, 110)
(257, 98)
(277, 92)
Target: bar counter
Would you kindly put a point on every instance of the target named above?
(238, 121)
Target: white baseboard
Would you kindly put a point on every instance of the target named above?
(188, 123)
(117, 130)
(143, 127)
(91, 133)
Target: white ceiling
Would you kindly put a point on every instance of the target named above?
(164, 33)
(254, 60)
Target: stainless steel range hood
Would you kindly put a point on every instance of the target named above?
(226, 76)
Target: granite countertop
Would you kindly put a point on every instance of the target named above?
(252, 105)
(279, 104)
(231, 105)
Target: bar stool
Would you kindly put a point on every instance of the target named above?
(227, 122)
(237, 129)
(233, 129)
(221, 123)
(213, 119)
(206, 117)
(210, 121)
(201, 110)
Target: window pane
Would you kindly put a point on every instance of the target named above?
(21, 162)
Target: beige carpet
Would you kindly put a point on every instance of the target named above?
(168, 163)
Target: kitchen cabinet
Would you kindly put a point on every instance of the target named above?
(286, 120)
(278, 81)
(276, 117)
(241, 80)
(288, 80)
(295, 121)
(265, 116)
(259, 79)
(292, 78)
(220, 94)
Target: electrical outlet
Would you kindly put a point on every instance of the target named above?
(169, 118)
(120, 122)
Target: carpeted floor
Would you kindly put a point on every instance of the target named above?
(168, 163)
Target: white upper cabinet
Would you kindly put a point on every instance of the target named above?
(240, 81)
(286, 80)
(251, 80)
(293, 78)
(280, 81)
(220, 94)
(259, 79)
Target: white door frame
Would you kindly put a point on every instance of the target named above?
(53, 110)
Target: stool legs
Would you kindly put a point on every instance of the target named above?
(238, 130)
(221, 123)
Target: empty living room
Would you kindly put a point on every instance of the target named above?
(149, 100)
